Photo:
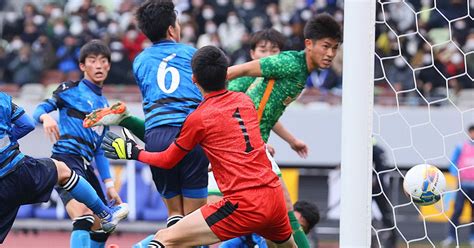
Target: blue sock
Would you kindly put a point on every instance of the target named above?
(80, 239)
(144, 243)
(82, 191)
(95, 244)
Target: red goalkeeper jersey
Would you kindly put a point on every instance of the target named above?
(226, 126)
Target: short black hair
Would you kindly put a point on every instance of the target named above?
(270, 35)
(322, 26)
(471, 128)
(94, 47)
(309, 211)
(209, 67)
(154, 18)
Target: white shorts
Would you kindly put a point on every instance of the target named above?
(213, 188)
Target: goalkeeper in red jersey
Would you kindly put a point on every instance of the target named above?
(226, 125)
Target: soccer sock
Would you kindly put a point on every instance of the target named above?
(298, 234)
(135, 125)
(144, 243)
(155, 244)
(80, 231)
(98, 239)
(82, 191)
(173, 220)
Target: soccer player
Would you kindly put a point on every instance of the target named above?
(225, 124)
(283, 78)
(263, 44)
(25, 180)
(163, 73)
(77, 146)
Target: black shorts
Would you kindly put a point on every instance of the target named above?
(32, 181)
(76, 163)
(189, 177)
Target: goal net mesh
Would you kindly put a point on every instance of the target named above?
(424, 71)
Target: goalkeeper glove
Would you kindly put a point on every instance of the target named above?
(115, 147)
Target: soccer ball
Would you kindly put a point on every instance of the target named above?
(424, 183)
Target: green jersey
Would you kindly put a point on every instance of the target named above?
(240, 84)
(283, 78)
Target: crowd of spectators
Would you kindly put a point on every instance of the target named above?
(41, 36)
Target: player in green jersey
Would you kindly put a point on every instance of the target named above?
(283, 77)
(265, 43)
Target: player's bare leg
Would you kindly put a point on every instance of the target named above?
(76, 209)
(192, 204)
(213, 198)
(174, 205)
(192, 230)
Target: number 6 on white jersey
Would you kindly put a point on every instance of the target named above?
(161, 75)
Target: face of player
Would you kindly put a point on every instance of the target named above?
(263, 49)
(95, 68)
(303, 223)
(175, 32)
(320, 53)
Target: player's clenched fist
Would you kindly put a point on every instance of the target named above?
(115, 147)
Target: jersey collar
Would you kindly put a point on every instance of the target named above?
(215, 93)
(164, 41)
(95, 88)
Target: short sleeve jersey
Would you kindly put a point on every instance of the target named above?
(163, 74)
(227, 128)
(289, 72)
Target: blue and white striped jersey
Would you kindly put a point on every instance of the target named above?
(163, 73)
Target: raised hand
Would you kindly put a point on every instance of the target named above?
(115, 147)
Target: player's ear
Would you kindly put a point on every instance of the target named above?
(308, 43)
(252, 54)
(194, 79)
(82, 66)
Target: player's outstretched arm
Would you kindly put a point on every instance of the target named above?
(250, 69)
(297, 145)
(116, 147)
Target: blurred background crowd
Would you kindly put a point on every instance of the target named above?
(40, 41)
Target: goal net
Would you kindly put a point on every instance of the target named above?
(424, 104)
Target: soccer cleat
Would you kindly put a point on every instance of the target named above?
(118, 213)
(109, 116)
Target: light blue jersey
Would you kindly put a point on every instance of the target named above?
(163, 72)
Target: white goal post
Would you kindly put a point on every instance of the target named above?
(357, 111)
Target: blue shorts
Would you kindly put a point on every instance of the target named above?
(32, 181)
(189, 177)
(76, 163)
